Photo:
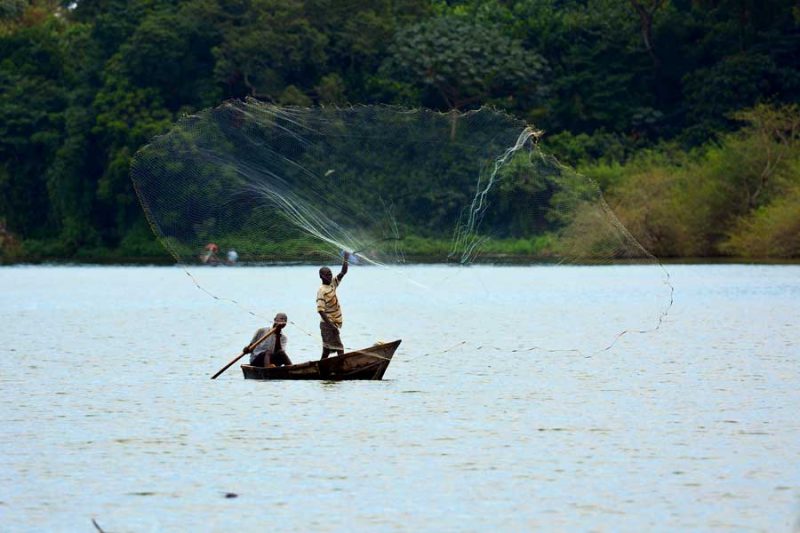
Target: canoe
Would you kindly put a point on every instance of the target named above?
(368, 363)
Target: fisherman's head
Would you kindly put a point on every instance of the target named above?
(325, 275)
(280, 320)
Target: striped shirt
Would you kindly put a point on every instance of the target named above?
(328, 303)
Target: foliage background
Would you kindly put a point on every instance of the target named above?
(684, 111)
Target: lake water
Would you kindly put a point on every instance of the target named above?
(504, 408)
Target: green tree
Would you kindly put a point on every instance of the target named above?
(32, 103)
(268, 47)
(463, 63)
(358, 37)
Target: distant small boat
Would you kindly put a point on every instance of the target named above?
(369, 363)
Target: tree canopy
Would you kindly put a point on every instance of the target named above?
(84, 84)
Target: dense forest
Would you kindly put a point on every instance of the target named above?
(684, 111)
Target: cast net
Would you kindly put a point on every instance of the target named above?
(251, 183)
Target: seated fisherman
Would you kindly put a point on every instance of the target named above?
(271, 351)
(209, 255)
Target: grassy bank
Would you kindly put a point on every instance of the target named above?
(413, 249)
(418, 250)
(738, 195)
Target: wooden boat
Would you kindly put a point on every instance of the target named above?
(369, 363)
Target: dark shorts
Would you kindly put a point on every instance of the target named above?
(277, 359)
(330, 338)
(280, 359)
(258, 360)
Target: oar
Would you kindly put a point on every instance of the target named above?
(248, 350)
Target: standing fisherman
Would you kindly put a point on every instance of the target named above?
(329, 310)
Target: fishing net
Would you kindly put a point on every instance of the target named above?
(251, 183)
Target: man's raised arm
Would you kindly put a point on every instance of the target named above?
(342, 272)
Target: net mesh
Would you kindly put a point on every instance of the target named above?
(253, 183)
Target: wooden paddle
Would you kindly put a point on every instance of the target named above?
(248, 350)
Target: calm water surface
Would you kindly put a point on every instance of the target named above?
(107, 412)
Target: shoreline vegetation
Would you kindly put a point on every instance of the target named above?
(414, 260)
(427, 251)
(737, 197)
(684, 113)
